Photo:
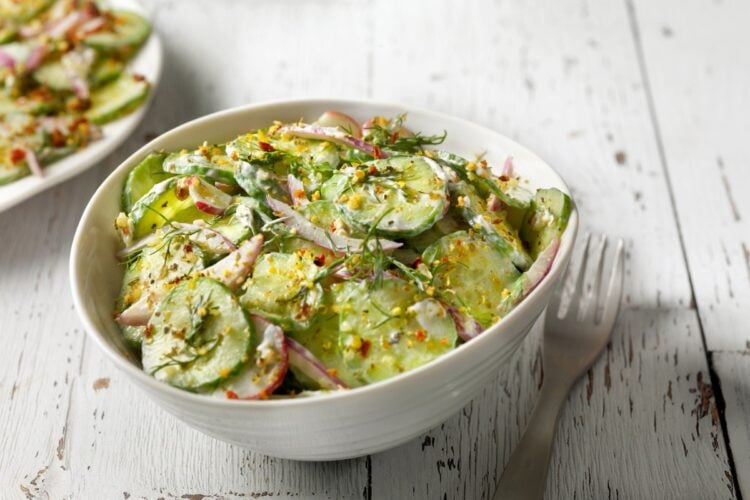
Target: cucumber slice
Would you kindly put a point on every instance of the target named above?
(127, 33)
(450, 223)
(198, 336)
(493, 225)
(161, 205)
(52, 74)
(471, 273)
(7, 34)
(403, 196)
(238, 221)
(10, 172)
(212, 166)
(485, 184)
(391, 328)
(34, 104)
(117, 99)
(283, 289)
(23, 10)
(322, 339)
(142, 178)
(334, 186)
(105, 71)
(546, 219)
(161, 264)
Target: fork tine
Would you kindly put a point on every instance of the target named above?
(614, 291)
(556, 300)
(577, 295)
(592, 298)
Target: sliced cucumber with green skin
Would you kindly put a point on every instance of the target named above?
(485, 185)
(8, 34)
(546, 219)
(117, 99)
(198, 336)
(127, 33)
(400, 196)
(322, 339)
(10, 173)
(34, 104)
(493, 225)
(283, 289)
(472, 274)
(23, 10)
(52, 74)
(161, 205)
(334, 186)
(450, 223)
(215, 167)
(315, 161)
(160, 264)
(105, 71)
(142, 178)
(390, 328)
(323, 213)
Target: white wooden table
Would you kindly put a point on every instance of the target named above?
(643, 106)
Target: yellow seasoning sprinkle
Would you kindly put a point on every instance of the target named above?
(316, 196)
(224, 372)
(396, 311)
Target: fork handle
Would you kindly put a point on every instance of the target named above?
(524, 478)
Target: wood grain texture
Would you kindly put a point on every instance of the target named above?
(733, 370)
(697, 60)
(563, 79)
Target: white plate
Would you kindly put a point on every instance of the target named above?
(148, 63)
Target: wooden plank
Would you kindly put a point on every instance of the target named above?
(697, 61)
(733, 370)
(642, 424)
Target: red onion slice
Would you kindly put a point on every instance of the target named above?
(318, 235)
(265, 372)
(60, 28)
(306, 362)
(36, 56)
(507, 167)
(541, 266)
(7, 60)
(33, 162)
(297, 191)
(466, 326)
(332, 134)
(208, 198)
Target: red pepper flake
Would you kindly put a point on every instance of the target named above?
(504, 178)
(232, 395)
(420, 334)
(394, 137)
(376, 152)
(299, 193)
(148, 331)
(58, 138)
(372, 170)
(188, 248)
(416, 262)
(265, 146)
(365, 348)
(17, 155)
(263, 394)
(320, 260)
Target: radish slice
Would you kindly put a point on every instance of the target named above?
(60, 28)
(297, 191)
(466, 326)
(306, 362)
(332, 134)
(208, 198)
(91, 26)
(493, 203)
(233, 269)
(340, 120)
(507, 167)
(265, 372)
(320, 236)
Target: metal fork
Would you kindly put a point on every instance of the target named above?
(572, 343)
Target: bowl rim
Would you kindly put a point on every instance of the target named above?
(516, 316)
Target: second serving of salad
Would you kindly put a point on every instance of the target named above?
(63, 74)
(309, 257)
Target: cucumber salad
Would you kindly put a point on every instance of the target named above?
(62, 75)
(307, 257)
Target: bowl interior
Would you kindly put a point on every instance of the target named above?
(96, 275)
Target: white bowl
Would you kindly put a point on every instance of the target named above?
(333, 426)
(148, 62)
